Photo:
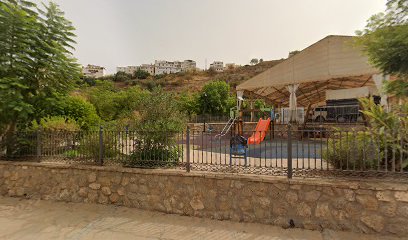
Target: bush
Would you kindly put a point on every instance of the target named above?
(153, 156)
(89, 145)
(353, 150)
(141, 74)
(160, 123)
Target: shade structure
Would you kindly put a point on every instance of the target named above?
(329, 64)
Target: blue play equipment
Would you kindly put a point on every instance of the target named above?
(238, 148)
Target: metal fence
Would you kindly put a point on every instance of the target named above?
(341, 115)
(287, 152)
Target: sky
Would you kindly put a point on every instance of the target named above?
(113, 33)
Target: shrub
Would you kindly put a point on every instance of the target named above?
(153, 156)
(353, 150)
(89, 145)
(160, 123)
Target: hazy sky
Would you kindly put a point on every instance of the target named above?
(130, 32)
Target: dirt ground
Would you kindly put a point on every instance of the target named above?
(40, 219)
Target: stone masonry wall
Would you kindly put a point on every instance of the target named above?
(371, 207)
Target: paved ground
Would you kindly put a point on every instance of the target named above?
(30, 219)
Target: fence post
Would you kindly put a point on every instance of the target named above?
(38, 144)
(188, 167)
(290, 151)
(101, 150)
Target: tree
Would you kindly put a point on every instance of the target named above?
(215, 98)
(122, 77)
(36, 63)
(385, 41)
(141, 74)
(261, 60)
(254, 61)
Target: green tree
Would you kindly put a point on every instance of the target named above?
(215, 98)
(254, 61)
(122, 77)
(36, 63)
(385, 41)
(141, 74)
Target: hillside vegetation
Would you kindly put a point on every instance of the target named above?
(194, 81)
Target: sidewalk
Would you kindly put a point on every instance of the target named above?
(39, 219)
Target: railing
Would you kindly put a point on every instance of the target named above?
(287, 152)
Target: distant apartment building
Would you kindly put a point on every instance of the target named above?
(132, 69)
(166, 67)
(229, 66)
(148, 68)
(128, 69)
(188, 65)
(217, 66)
(161, 67)
(93, 71)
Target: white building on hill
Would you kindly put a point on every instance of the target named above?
(93, 71)
(217, 66)
(161, 67)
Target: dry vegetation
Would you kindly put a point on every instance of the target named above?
(194, 81)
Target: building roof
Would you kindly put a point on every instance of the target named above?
(333, 60)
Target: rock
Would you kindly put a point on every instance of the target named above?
(64, 195)
(6, 174)
(114, 198)
(292, 197)
(373, 221)
(322, 210)
(92, 177)
(368, 202)
(125, 181)
(92, 196)
(403, 210)
(304, 210)
(20, 191)
(196, 204)
(312, 196)
(401, 196)
(385, 196)
(349, 195)
(83, 192)
(264, 202)
(389, 209)
(121, 191)
(103, 199)
(106, 191)
(95, 186)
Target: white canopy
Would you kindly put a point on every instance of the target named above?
(331, 63)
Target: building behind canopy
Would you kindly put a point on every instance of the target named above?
(330, 64)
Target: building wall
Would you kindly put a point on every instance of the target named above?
(217, 66)
(360, 206)
(93, 71)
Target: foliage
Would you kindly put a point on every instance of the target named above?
(112, 104)
(153, 157)
(122, 77)
(215, 98)
(55, 123)
(385, 41)
(159, 124)
(89, 145)
(141, 74)
(254, 61)
(35, 60)
(353, 151)
(189, 103)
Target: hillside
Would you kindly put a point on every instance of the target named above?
(194, 81)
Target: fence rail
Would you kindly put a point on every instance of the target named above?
(286, 152)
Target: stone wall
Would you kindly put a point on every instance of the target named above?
(359, 206)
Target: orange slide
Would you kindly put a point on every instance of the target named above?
(260, 131)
